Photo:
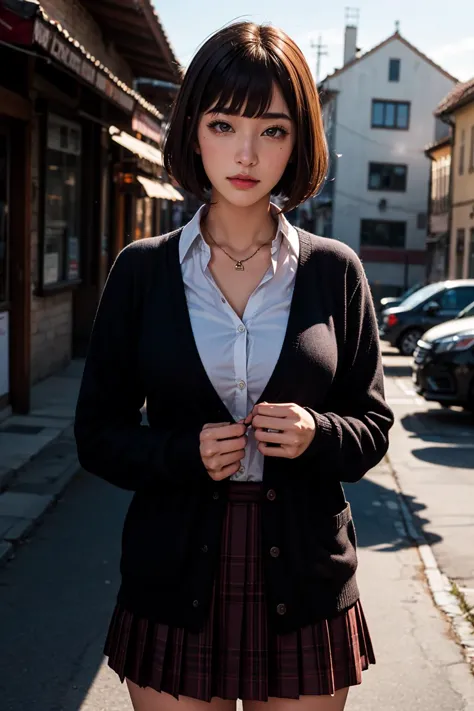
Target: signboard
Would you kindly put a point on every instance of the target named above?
(62, 51)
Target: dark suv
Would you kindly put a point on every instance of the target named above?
(402, 326)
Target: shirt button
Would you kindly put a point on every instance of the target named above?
(215, 495)
(222, 299)
(271, 495)
(241, 328)
(196, 604)
(281, 609)
(241, 469)
(241, 384)
(274, 552)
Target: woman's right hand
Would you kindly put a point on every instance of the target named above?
(222, 447)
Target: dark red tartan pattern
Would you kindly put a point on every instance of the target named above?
(235, 655)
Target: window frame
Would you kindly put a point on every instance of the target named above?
(462, 153)
(388, 222)
(396, 104)
(390, 165)
(64, 283)
(394, 62)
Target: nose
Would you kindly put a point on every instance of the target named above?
(246, 154)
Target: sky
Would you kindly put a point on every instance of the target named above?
(442, 30)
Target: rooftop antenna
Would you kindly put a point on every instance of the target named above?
(321, 51)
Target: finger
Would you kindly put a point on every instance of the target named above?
(273, 409)
(222, 432)
(275, 437)
(273, 423)
(231, 458)
(231, 445)
(215, 424)
(225, 472)
(284, 451)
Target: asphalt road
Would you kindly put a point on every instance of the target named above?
(56, 597)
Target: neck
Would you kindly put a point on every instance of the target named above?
(240, 228)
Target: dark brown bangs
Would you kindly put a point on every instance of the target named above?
(241, 84)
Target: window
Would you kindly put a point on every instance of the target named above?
(61, 202)
(440, 185)
(4, 196)
(382, 233)
(394, 70)
(457, 299)
(471, 256)
(471, 154)
(390, 114)
(461, 152)
(387, 176)
(460, 238)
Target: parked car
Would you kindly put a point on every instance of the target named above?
(443, 363)
(389, 301)
(402, 326)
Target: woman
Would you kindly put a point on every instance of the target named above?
(255, 345)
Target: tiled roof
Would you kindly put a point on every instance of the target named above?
(395, 36)
(463, 93)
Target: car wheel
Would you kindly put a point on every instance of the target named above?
(408, 340)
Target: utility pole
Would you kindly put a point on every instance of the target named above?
(321, 51)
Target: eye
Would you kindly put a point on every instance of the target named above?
(220, 126)
(276, 132)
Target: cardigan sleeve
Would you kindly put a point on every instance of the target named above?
(111, 441)
(353, 436)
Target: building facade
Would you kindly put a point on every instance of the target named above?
(457, 110)
(81, 172)
(378, 113)
(437, 242)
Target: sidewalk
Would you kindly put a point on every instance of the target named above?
(38, 456)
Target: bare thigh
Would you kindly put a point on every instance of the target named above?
(148, 699)
(304, 703)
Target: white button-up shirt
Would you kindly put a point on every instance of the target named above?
(239, 355)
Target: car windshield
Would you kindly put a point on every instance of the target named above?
(421, 295)
(468, 311)
(410, 291)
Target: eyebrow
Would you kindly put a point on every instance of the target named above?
(268, 115)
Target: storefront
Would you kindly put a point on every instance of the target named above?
(63, 213)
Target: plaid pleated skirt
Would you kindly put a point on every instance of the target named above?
(235, 655)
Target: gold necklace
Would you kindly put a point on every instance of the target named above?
(239, 263)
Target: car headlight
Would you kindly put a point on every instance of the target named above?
(460, 342)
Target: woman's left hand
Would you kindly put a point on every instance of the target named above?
(296, 429)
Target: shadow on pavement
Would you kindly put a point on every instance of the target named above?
(378, 518)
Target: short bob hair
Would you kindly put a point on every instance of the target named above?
(236, 69)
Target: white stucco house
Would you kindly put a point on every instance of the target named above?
(378, 114)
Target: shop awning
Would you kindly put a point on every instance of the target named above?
(155, 189)
(134, 145)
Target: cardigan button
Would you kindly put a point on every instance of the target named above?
(204, 548)
(271, 495)
(195, 603)
(215, 495)
(274, 552)
(281, 609)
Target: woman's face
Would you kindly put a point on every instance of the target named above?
(234, 147)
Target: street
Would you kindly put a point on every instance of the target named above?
(56, 595)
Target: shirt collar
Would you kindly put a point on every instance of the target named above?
(191, 233)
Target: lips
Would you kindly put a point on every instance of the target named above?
(243, 182)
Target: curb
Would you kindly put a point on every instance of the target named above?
(441, 588)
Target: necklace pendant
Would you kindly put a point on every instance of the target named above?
(239, 266)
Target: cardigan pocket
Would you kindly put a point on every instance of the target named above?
(331, 548)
